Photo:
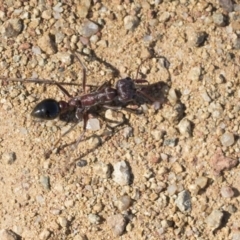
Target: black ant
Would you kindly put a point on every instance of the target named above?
(105, 96)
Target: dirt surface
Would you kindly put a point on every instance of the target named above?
(166, 174)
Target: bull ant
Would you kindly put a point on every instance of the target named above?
(106, 96)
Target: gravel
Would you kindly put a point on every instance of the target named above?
(121, 173)
(183, 201)
(214, 220)
(227, 192)
(169, 172)
(117, 223)
(89, 28)
(227, 139)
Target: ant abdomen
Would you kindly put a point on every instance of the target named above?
(47, 109)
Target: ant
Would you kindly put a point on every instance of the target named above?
(105, 96)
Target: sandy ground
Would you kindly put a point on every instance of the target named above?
(179, 177)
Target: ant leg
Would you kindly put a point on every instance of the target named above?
(84, 71)
(32, 80)
(85, 119)
(59, 85)
(135, 111)
(145, 95)
(104, 85)
(140, 66)
(49, 152)
(157, 104)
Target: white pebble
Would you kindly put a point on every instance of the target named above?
(89, 28)
(194, 73)
(214, 220)
(93, 124)
(227, 192)
(121, 173)
(94, 218)
(172, 96)
(227, 139)
(172, 189)
(117, 223)
(185, 127)
(63, 221)
(130, 22)
(124, 202)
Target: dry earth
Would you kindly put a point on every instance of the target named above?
(181, 178)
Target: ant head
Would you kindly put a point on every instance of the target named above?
(47, 109)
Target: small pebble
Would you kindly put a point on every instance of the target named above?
(45, 182)
(167, 223)
(195, 73)
(93, 124)
(185, 127)
(45, 234)
(81, 163)
(59, 37)
(130, 22)
(172, 96)
(94, 141)
(219, 162)
(153, 157)
(69, 203)
(124, 203)
(115, 118)
(94, 38)
(36, 50)
(55, 211)
(183, 201)
(219, 19)
(12, 28)
(196, 39)
(157, 134)
(128, 132)
(63, 221)
(64, 57)
(172, 189)
(194, 189)
(227, 139)
(47, 44)
(177, 167)
(164, 17)
(94, 218)
(215, 109)
(9, 157)
(58, 7)
(121, 173)
(227, 5)
(201, 182)
(83, 8)
(47, 14)
(102, 169)
(214, 220)
(227, 192)
(98, 207)
(117, 223)
(171, 142)
(89, 28)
